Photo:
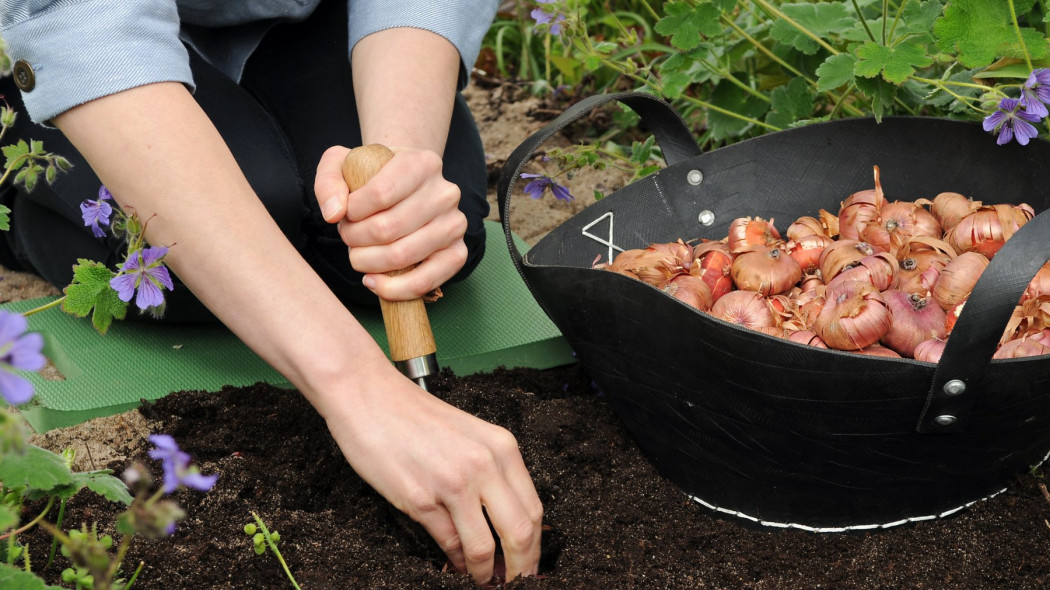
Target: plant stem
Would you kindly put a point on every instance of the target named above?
(765, 51)
(38, 520)
(776, 13)
(134, 576)
(885, 9)
(54, 541)
(114, 565)
(1020, 39)
(45, 306)
(863, 21)
(276, 551)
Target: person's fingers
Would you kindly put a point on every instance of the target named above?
(515, 511)
(329, 186)
(436, 520)
(428, 275)
(479, 547)
(398, 178)
(432, 201)
(437, 235)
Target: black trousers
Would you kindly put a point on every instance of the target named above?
(295, 99)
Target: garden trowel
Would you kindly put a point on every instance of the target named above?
(408, 332)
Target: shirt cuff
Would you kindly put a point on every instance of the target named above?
(80, 51)
(463, 22)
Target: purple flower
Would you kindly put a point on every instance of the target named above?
(96, 213)
(143, 271)
(1011, 120)
(536, 187)
(542, 17)
(1035, 93)
(176, 466)
(20, 351)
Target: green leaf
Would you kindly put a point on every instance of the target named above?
(90, 293)
(641, 151)
(894, 63)
(836, 71)
(36, 147)
(8, 517)
(820, 19)
(685, 23)
(36, 469)
(13, 152)
(790, 103)
(1014, 70)
(918, 17)
(13, 578)
(880, 92)
(605, 47)
(725, 5)
(5, 218)
(980, 31)
(567, 66)
(104, 484)
(731, 98)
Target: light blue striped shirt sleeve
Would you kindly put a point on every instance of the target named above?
(119, 45)
(463, 22)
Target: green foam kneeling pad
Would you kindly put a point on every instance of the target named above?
(487, 321)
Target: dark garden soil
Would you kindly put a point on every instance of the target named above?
(615, 522)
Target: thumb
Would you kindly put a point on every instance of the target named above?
(329, 187)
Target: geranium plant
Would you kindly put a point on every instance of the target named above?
(735, 70)
(30, 475)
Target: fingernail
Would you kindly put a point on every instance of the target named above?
(369, 282)
(331, 207)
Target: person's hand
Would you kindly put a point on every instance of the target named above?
(406, 214)
(446, 469)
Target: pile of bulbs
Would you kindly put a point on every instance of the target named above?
(879, 278)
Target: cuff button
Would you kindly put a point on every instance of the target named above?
(24, 77)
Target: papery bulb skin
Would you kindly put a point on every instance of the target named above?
(915, 319)
(929, 351)
(957, 278)
(691, 290)
(920, 265)
(1021, 348)
(860, 208)
(769, 272)
(714, 264)
(1039, 285)
(950, 208)
(878, 269)
(898, 222)
(853, 317)
(840, 255)
(746, 233)
(808, 337)
(986, 230)
(746, 308)
(806, 250)
(878, 350)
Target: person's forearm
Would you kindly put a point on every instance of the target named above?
(405, 85)
(161, 157)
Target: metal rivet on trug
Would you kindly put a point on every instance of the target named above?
(694, 177)
(954, 387)
(706, 217)
(945, 420)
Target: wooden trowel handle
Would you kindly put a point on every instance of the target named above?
(407, 325)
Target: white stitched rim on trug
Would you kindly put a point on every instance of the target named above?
(839, 529)
(858, 527)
